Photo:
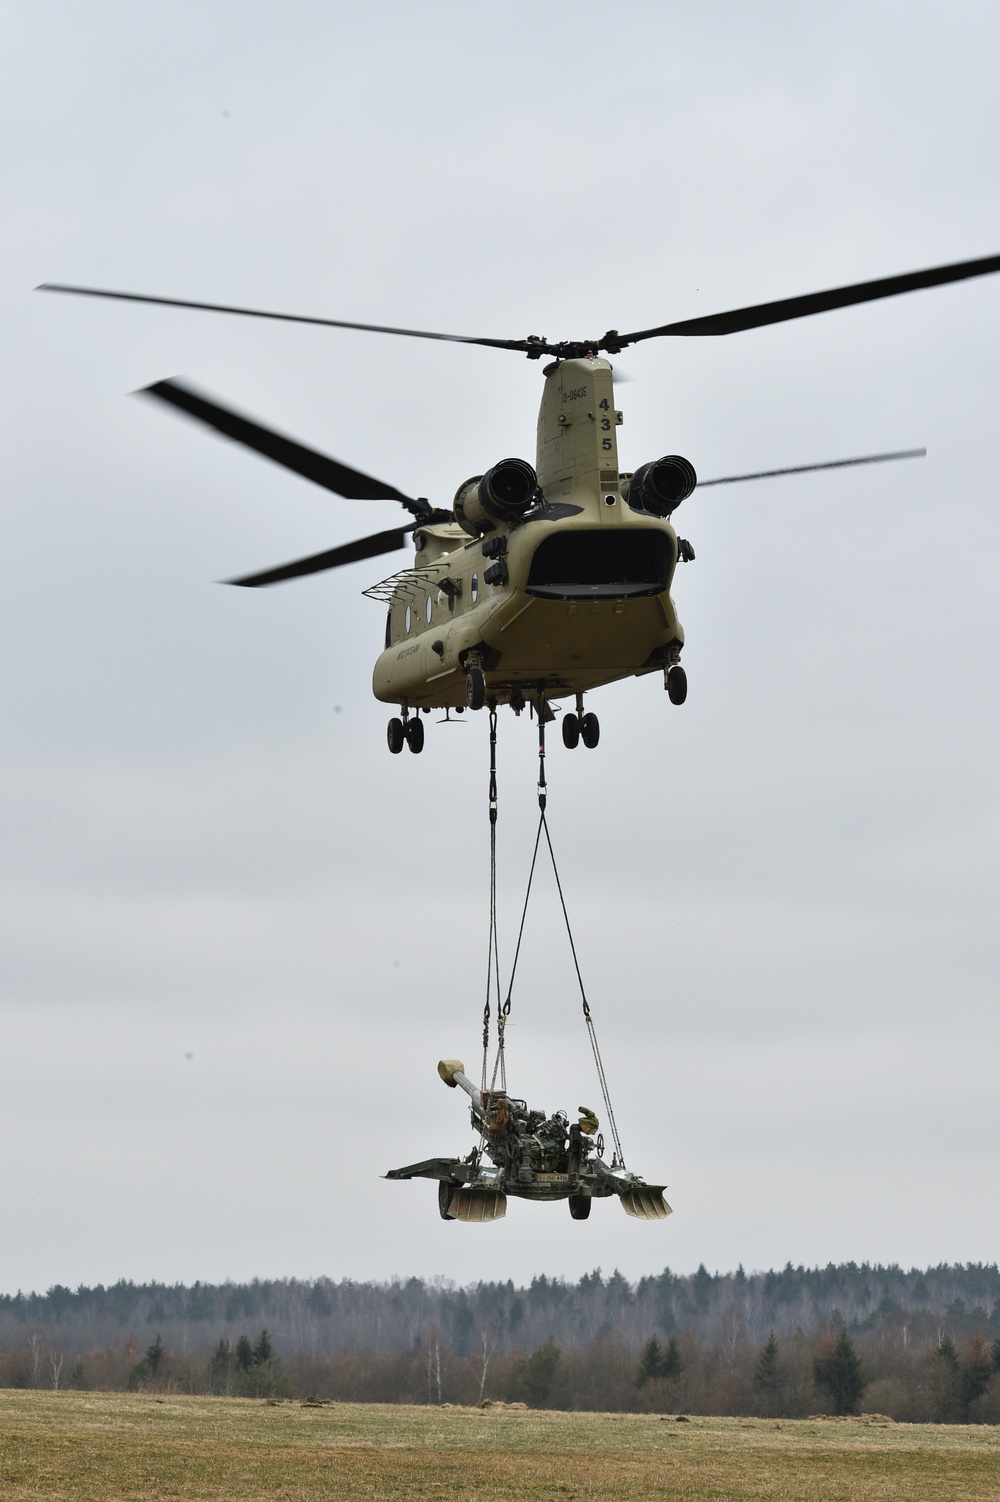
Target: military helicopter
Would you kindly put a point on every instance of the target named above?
(538, 582)
(534, 1157)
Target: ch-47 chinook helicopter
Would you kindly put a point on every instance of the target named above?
(538, 582)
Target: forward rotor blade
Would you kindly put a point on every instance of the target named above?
(351, 552)
(329, 473)
(802, 469)
(817, 302)
(331, 323)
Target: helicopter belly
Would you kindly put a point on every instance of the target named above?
(566, 638)
(572, 644)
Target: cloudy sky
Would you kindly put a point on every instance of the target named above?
(235, 935)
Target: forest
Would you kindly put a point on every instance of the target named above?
(915, 1345)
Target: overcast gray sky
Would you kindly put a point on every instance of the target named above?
(235, 935)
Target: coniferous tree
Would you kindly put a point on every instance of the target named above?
(538, 1372)
(220, 1367)
(671, 1362)
(975, 1375)
(767, 1373)
(837, 1370)
(946, 1381)
(650, 1361)
(154, 1356)
(243, 1354)
(263, 1350)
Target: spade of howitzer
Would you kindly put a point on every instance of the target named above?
(530, 1155)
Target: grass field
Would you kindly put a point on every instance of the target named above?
(109, 1446)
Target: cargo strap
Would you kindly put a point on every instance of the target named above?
(493, 955)
(504, 1012)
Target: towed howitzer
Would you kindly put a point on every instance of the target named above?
(532, 1156)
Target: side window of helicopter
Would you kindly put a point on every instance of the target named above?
(407, 620)
(474, 588)
(430, 609)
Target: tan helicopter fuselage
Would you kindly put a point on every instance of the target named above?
(579, 590)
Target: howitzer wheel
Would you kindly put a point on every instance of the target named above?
(579, 1206)
(445, 1191)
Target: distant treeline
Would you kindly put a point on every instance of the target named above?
(914, 1345)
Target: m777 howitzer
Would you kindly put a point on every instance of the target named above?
(532, 1156)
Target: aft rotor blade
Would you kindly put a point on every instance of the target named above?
(817, 302)
(802, 469)
(351, 552)
(330, 323)
(319, 468)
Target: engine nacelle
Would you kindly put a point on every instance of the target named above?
(501, 496)
(660, 486)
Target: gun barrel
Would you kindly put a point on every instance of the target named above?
(473, 1091)
(452, 1071)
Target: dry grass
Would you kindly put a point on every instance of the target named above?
(111, 1446)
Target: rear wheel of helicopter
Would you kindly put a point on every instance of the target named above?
(475, 688)
(570, 731)
(590, 730)
(579, 1206)
(677, 684)
(415, 735)
(395, 735)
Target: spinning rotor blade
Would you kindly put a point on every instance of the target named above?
(612, 342)
(801, 469)
(351, 552)
(813, 302)
(329, 473)
(332, 323)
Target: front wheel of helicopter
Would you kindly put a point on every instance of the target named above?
(395, 735)
(415, 735)
(677, 684)
(579, 1206)
(475, 688)
(590, 730)
(570, 731)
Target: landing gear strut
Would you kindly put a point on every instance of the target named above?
(676, 683)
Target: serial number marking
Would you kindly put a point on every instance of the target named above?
(574, 396)
(408, 651)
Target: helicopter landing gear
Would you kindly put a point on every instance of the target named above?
(579, 1206)
(395, 735)
(414, 733)
(475, 688)
(580, 727)
(676, 683)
